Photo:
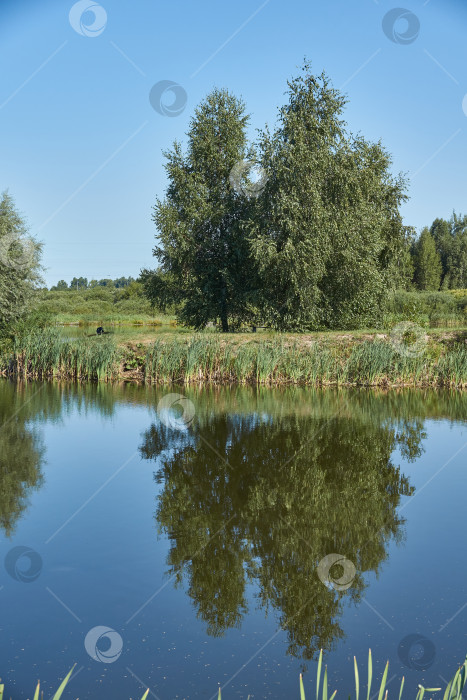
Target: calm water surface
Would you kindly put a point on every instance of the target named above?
(187, 550)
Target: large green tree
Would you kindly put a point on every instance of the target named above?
(19, 264)
(427, 262)
(202, 248)
(327, 232)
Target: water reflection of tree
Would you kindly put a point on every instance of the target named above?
(23, 406)
(21, 455)
(247, 498)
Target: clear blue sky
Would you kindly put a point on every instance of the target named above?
(81, 144)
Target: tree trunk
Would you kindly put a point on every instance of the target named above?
(224, 317)
(224, 321)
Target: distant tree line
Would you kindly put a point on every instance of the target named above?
(78, 283)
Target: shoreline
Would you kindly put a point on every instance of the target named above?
(337, 360)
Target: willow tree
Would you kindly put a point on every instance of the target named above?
(19, 264)
(327, 232)
(202, 248)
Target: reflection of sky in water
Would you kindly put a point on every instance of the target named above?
(93, 524)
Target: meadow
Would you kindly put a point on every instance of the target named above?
(111, 306)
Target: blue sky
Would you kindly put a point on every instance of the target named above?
(81, 144)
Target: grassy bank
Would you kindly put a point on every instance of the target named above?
(99, 306)
(273, 360)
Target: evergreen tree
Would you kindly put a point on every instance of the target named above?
(451, 243)
(427, 263)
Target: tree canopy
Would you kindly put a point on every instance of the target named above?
(202, 248)
(328, 235)
(19, 264)
(317, 243)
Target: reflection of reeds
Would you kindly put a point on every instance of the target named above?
(210, 358)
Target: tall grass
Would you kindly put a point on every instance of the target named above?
(210, 358)
(202, 358)
(46, 354)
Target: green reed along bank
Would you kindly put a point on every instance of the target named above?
(321, 689)
(211, 358)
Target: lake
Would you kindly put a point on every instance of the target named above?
(184, 539)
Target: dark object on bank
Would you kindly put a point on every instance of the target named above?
(100, 331)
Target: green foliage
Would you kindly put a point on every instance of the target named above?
(427, 262)
(451, 244)
(19, 265)
(82, 283)
(46, 353)
(99, 304)
(428, 308)
(327, 233)
(202, 248)
(279, 361)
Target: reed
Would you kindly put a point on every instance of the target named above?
(453, 690)
(210, 358)
(59, 692)
(46, 354)
(201, 358)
